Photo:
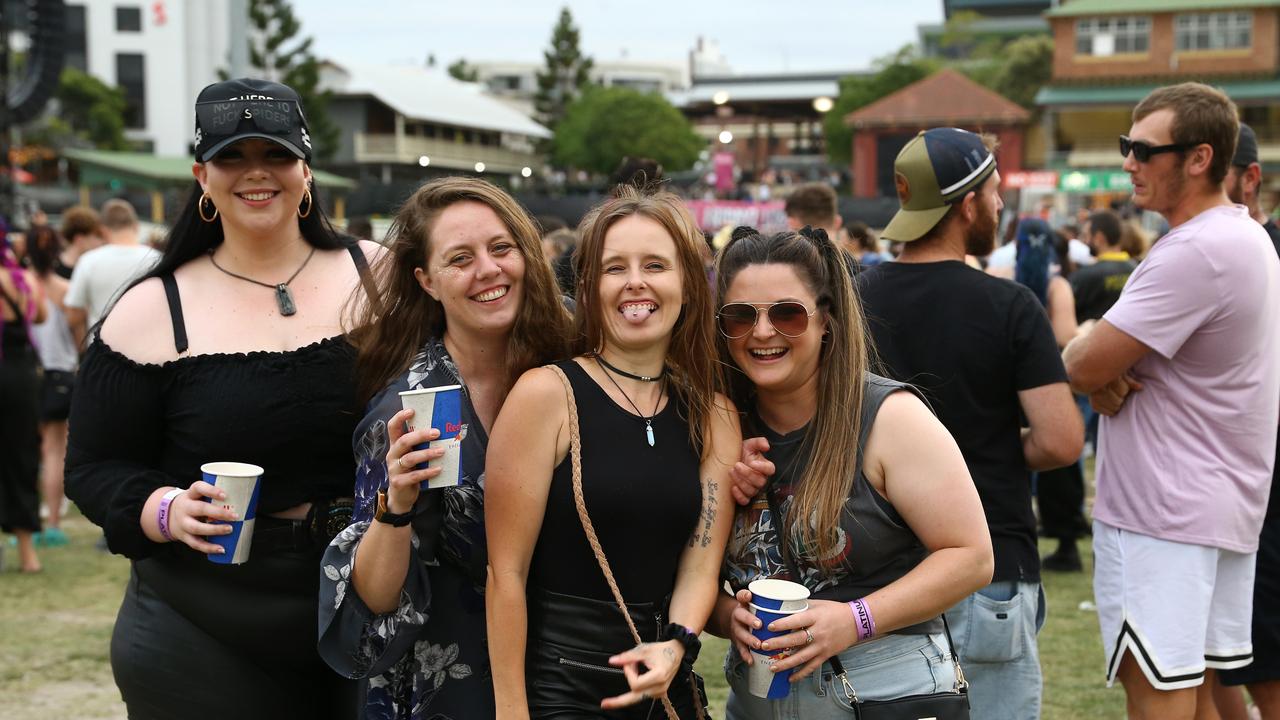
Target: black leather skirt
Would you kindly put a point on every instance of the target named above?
(567, 662)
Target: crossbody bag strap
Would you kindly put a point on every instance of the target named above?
(962, 685)
(575, 452)
(366, 275)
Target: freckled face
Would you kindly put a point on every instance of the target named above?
(474, 268)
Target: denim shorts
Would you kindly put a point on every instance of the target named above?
(995, 632)
(887, 667)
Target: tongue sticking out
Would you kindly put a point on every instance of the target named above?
(636, 313)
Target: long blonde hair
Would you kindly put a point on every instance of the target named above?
(694, 372)
(393, 327)
(831, 438)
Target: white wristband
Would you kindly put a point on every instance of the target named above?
(162, 516)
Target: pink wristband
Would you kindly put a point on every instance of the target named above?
(162, 516)
(862, 619)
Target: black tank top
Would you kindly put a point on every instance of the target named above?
(643, 501)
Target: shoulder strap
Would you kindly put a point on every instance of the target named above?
(366, 276)
(175, 312)
(575, 452)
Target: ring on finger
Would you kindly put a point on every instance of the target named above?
(400, 462)
(808, 636)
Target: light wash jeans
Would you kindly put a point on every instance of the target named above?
(887, 667)
(995, 633)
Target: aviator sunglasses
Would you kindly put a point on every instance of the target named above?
(788, 317)
(1142, 152)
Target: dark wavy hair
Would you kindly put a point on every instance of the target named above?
(390, 330)
(831, 438)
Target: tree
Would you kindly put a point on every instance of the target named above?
(606, 124)
(90, 112)
(1027, 65)
(566, 73)
(892, 73)
(277, 53)
(460, 70)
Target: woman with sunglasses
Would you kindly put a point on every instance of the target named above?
(657, 442)
(231, 348)
(868, 504)
(467, 298)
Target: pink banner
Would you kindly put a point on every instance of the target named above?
(712, 215)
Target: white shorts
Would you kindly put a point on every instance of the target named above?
(1178, 608)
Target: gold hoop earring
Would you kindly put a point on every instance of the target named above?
(200, 208)
(310, 204)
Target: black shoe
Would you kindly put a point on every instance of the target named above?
(1065, 559)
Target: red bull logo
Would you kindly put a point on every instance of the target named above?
(451, 427)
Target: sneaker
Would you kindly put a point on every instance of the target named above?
(1065, 559)
(52, 537)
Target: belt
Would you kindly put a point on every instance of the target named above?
(325, 519)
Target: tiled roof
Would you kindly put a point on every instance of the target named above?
(1112, 7)
(946, 97)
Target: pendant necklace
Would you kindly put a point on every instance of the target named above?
(284, 298)
(648, 420)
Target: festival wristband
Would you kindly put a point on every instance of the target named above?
(162, 516)
(862, 619)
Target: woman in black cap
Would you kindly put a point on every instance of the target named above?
(252, 366)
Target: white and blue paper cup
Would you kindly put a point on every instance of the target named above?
(241, 482)
(439, 408)
(762, 681)
(773, 600)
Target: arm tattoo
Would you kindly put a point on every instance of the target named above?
(703, 538)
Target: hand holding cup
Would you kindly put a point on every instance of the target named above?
(190, 516)
(406, 465)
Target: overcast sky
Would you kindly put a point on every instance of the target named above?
(755, 36)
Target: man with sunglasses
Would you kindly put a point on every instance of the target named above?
(1185, 369)
(983, 352)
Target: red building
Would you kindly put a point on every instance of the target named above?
(944, 99)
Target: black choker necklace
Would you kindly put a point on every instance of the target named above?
(633, 376)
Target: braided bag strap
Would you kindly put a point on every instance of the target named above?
(575, 451)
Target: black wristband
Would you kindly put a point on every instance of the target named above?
(692, 644)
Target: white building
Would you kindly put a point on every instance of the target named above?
(517, 82)
(161, 53)
(399, 121)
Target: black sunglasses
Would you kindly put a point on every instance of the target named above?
(1142, 152)
(223, 117)
(789, 318)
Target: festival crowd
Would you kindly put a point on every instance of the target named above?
(652, 421)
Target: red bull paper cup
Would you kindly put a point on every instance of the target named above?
(773, 600)
(439, 408)
(241, 482)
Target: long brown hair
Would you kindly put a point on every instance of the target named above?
(831, 438)
(393, 325)
(691, 362)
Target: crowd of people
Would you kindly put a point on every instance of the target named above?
(654, 418)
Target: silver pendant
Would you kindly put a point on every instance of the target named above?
(284, 299)
(648, 432)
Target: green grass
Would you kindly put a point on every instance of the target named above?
(56, 630)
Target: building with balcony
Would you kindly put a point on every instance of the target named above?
(1110, 53)
(517, 82)
(401, 123)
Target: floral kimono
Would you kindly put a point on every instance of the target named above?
(427, 659)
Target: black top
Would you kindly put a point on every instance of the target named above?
(137, 427)
(643, 501)
(1274, 231)
(1097, 287)
(877, 547)
(61, 269)
(971, 342)
(13, 333)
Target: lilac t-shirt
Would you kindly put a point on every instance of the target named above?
(1189, 457)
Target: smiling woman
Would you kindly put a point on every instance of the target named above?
(627, 440)
(237, 373)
